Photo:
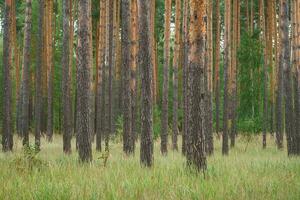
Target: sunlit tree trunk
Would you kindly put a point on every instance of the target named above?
(50, 71)
(25, 75)
(197, 33)
(165, 90)
(133, 65)
(146, 154)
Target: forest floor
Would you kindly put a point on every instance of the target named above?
(247, 173)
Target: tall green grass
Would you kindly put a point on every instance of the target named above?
(250, 173)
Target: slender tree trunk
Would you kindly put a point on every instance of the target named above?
(25, 74)
(185, 76)
(197, 35)
(66, 86)
(164, 119)
(175, 74)
(297, 65)
(133, 65)
(146, 155)
(209, 145)
(103, 68)
(279, 95)
(83, 82)
(38, 76)
(227, 69)
(285, 62)
(7, 137)
(217, 65)
(153, 52)
(50, 72)
(110, 74)
(126, 40)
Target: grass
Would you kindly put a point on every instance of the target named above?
(250, 174)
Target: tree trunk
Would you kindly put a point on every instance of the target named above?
(198, 76)
(83, 82)
(66, 86)
(7, 137)
(146, 155)
(133, 65)
(126, 40)
(50, 72)
(217, 65)
(209, 145)
(164, 119)
(227, 70)
(38, 76)
(175, 74)
(25, 77)
(185, 76)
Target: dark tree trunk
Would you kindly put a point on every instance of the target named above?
(38, 76)
(285, 62)
(198, 83)
(164, 117)
(83, 82)
(127, 135)
(7, 137)
(66, 86)
(25, 79)
(146, 77)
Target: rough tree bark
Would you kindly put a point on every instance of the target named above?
(7, 135)
(165, 90)
(66, 87)
(197, 33)
(126, 40)
(146, 155)
(83, 82)
(285, 62)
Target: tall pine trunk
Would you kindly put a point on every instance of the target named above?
(66, 86)
(164, 119)
(26, 76)
(146, 155)
(227, 70)
(83, 82)
(175, 74)
(198, 76)
(127, 112)
(7, 137)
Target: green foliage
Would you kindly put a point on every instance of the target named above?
(250, 78)
(28, 160)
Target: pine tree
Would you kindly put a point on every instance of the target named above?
(146, 84)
